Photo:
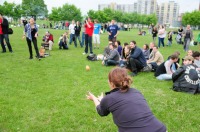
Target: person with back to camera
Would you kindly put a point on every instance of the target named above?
(187, 77)
(31, 34)
(128, 106)
(89, 28)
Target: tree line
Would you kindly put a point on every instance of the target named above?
(71, 12)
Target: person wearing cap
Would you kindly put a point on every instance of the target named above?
(187, 77)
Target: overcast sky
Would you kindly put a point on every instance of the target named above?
(85, 5)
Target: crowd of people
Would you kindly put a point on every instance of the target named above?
(184, 72)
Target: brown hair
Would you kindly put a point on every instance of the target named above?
(174, 56)
(120, 78)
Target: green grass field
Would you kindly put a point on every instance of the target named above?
(49, 95)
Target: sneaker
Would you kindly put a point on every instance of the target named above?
(84, 53)
(91, 54)
(30, 58)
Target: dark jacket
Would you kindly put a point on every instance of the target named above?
(137, 53)
(130, 111)
(186, 79)
(5, 26)
(160, 70)
(77, 30)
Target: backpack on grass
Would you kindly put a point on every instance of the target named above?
(92, 57)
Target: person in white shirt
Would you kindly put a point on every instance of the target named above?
(161, 35)
(72, 33)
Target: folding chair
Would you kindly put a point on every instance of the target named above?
(47, 51)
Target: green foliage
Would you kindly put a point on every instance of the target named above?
(66, 12)
(191, 18)
(108, 14)
(34, 7)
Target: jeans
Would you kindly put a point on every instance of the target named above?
(164, 77)
(154, 39)
(88, 41)
(161, 40)
(6, 37)
(72, 38)
(79, 39)
(34, 40)
(169, 43)
(83, 39)
(186, 44)
(154, 65)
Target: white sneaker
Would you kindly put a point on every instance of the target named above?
(84, 53)
(91, 54)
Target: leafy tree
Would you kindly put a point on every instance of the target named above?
(66, 12)
(8, 8)
(34, 7)
(55, 16)
(192, 18)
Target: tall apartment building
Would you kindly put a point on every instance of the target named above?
(121, 7)
(146, 6)
(168, 13)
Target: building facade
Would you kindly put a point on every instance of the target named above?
(167, 13)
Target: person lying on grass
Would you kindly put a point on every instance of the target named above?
(128, 106)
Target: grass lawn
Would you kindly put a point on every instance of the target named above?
(49, 95)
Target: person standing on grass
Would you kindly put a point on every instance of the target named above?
(169, 38)
(72, 33)
(4, 25)
(96, 34)
(31, 34)
(128, 106)
(77, 29)
(89, 27)
(113, 31)
(154, 34)
(188, 37)
(161, 36)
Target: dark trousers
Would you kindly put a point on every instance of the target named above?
(154, 65)
(88, 41)
(111, 63)
(135, 65)
(34, 40)
(72, 38)
(6, 37)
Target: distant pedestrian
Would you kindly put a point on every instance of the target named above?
(113, 31)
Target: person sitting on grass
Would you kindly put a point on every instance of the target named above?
(119, 47)
(113, 58)
(124, 60)
(187, 77)
(128, 106)
(48, 39)
(156, 60)
(164, 70)
(146, 51)
(196, 56)
(137, 61)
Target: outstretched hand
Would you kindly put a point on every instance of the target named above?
(90, 96)
(100, 97)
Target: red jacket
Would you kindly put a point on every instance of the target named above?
(89, 30)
